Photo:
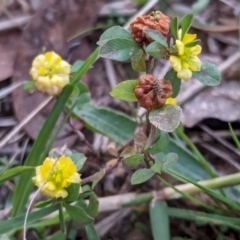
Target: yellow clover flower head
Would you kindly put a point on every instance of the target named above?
(186, 61)
(50, 73)
(55, 175)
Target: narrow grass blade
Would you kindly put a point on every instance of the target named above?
(214, 219)
(234, 136)
(159, 220)
(16, 223)
(211, 193)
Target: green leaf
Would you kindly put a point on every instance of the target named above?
(208, 75)
(166, 118)
(193, 43)
(16, 223)
(13, 172)
(92, 208)
(133, 161)
(141, 175)
(169, 160)
(157, 36)
(117, 126)
(59, 235)
(78, 214)
(138, 61)
(205, 217)
(115, 32)
(29, 85)
(186, 23)
(76, 66)
(73, 192)
(43, 203)
(119, 49)
(171, 76)
(174, 27)
(187, 164)
(91, 232)
(156, 50)
(157, 167)
(125, 91)
(160, 144)
(159, 219)
(79, 159)
(61, 218)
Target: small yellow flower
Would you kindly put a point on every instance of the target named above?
(55, 175)
(186, 61)
(171, 101)
(50, 73)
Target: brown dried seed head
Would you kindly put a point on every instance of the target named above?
(152, 93)
(155, 20)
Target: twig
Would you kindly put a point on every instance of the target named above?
(106, 170)
(219, 139)
(16, 22)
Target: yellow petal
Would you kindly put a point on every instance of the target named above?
(185, 74)
(195, 64)
(172, 101)
(176, 63)
(196, 50)
(180, 47)
(61, 193)
(189, 38)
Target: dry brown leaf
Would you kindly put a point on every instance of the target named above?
(221, 102)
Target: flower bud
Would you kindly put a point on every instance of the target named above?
(152, 93)
(155, 20)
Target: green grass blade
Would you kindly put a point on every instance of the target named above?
(189, 197)
(159, 220)
(234, 136)
(25, 186)
(199, 156)
(13, 172)
(35, 157)
(214, 219)
(91, 232)
(211, 193)
(16, 223)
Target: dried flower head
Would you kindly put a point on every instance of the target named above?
(55, 175)
(50, 73)
(152, 93)
(155, 20)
